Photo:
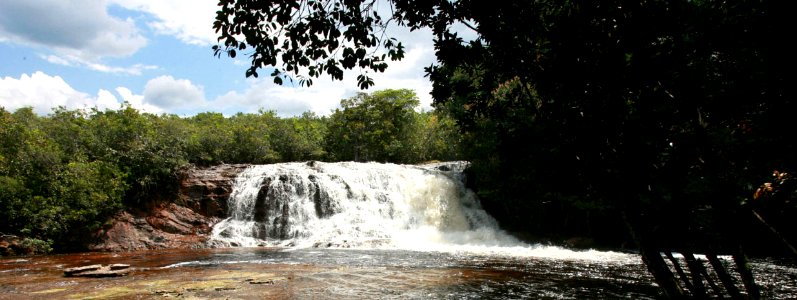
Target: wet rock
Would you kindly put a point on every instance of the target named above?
(254, 281)
(9, 245)
(115, 267)
(72, 271)
(333, 244)
(168, 294)
(113, 270)
(261, 201)
(168, 226)
(206, 191)
(183, 221)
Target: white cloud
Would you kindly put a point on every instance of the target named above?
(190, 21)
(137, 101)
(55, 59)
(43, 92)
(72, 61)
(320, 98)
(81, 29)
(106, 100)
(75, 33)
(136, 69)
(170, 93)
(325, 94)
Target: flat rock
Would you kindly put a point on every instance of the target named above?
(113, 270)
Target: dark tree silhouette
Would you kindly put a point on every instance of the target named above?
(662, 115)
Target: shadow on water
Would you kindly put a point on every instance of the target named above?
(276, 273)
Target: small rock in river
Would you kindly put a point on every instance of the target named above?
(252, 281)
(98, 271)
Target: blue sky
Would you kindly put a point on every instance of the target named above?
(157, 56)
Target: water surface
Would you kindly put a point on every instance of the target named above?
(357, 231)
(278, 273)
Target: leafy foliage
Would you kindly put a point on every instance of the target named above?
(316, 35)
(372, 127)
(62, 176)
(45, 196)
(656, 108)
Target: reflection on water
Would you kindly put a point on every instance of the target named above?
(257, 273)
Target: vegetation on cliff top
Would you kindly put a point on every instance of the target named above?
(63, 175)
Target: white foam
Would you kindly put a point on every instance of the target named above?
(370, 206)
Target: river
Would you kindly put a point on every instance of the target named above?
(274, 273)
(357, 231)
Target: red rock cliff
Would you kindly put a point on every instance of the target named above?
(181, 222)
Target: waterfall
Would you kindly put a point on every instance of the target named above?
(348, 204)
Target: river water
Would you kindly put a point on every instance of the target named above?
(279, 273)
(357, 231)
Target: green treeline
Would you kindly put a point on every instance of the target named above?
(63, 175)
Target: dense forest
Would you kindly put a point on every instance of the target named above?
(63, 175)
(662, 117)
(652, 121)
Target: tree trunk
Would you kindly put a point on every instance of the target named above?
(747, 275)
(699, 290)
(726, 279)
(775, 232)
(656, 265)
(679, 270)
(701, 270)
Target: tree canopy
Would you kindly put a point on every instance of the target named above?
(655, 109)
(657, 95)
(319, 36)
(375, 127)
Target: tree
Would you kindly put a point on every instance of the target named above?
(655, 109)
(210, 139)
(373, 127)
(306, 34)
(434, 136)
(51, 196)
(300, 138)
(252, 138)
(141, 146)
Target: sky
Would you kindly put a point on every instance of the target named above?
(156, 55)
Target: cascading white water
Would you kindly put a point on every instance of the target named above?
(351, 204)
